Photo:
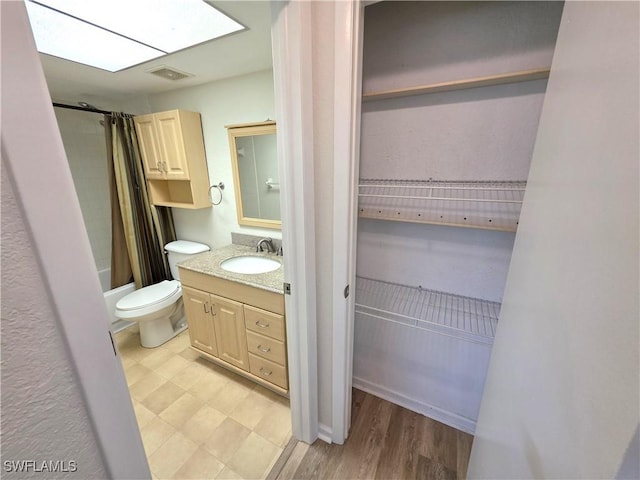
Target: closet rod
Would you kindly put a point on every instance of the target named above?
(83, 109)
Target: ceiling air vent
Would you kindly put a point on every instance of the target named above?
(169, 73)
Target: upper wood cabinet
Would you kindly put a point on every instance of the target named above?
(149, 146)
(172, 149)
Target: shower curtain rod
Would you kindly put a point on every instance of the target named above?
(83, 109)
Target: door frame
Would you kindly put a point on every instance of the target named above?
(292, 42)
(291, 46)
(348, 41)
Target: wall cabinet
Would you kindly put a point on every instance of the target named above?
(239, 327)
(173, 155)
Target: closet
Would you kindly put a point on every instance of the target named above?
(452, 95)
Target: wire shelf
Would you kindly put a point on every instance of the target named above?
(467, 318)
(493, 205)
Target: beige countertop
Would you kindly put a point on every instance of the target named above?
(208, 263)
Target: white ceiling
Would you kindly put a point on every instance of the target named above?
(236, 54)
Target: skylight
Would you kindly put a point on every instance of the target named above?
(116, 34)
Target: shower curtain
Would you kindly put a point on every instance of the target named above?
(140, 230)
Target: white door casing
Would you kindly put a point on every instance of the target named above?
(346, 152)
(291, 45)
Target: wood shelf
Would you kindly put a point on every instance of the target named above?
(490, 80)
(490, 205)
(178, 193)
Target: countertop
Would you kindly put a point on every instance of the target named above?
(208, 263)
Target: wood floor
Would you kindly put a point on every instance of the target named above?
(386, 442)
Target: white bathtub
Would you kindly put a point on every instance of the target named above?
(111, 297)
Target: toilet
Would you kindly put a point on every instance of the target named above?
(158, 309)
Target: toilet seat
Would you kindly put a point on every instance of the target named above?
(149, 299)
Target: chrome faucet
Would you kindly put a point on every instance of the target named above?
(268, 242)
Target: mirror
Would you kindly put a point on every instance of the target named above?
(255, 173)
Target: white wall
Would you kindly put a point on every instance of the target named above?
(562, 395)
(467, 262)
(244, 99)
(84, 143)
(468, 52)
(43, 412)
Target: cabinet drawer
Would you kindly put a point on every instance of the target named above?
(263, 322)
(269, 371)
(266, 347)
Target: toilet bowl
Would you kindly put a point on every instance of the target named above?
(158, 309)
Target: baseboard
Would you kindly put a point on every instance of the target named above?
(448, 418)
(325, 433)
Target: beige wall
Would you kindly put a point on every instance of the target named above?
(561, 398)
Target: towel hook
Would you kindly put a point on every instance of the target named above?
(220, 188)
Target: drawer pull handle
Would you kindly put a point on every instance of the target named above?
(264, 350)
(262, 325)
(265, 372)
(205, 305)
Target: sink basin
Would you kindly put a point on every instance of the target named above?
(249, 264)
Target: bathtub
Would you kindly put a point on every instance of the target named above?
(111, 297)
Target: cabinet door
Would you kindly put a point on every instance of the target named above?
(198, 309)
(230, 332)
(149, 146)
(172, 145)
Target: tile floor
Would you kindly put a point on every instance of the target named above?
(198, 420)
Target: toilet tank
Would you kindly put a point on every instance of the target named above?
(181, 250)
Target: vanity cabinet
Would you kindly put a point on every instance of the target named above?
(173, 156)
(228, 321)
(198, 310)
(237, 326)
(266, 344)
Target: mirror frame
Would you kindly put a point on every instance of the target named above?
(248, 130)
